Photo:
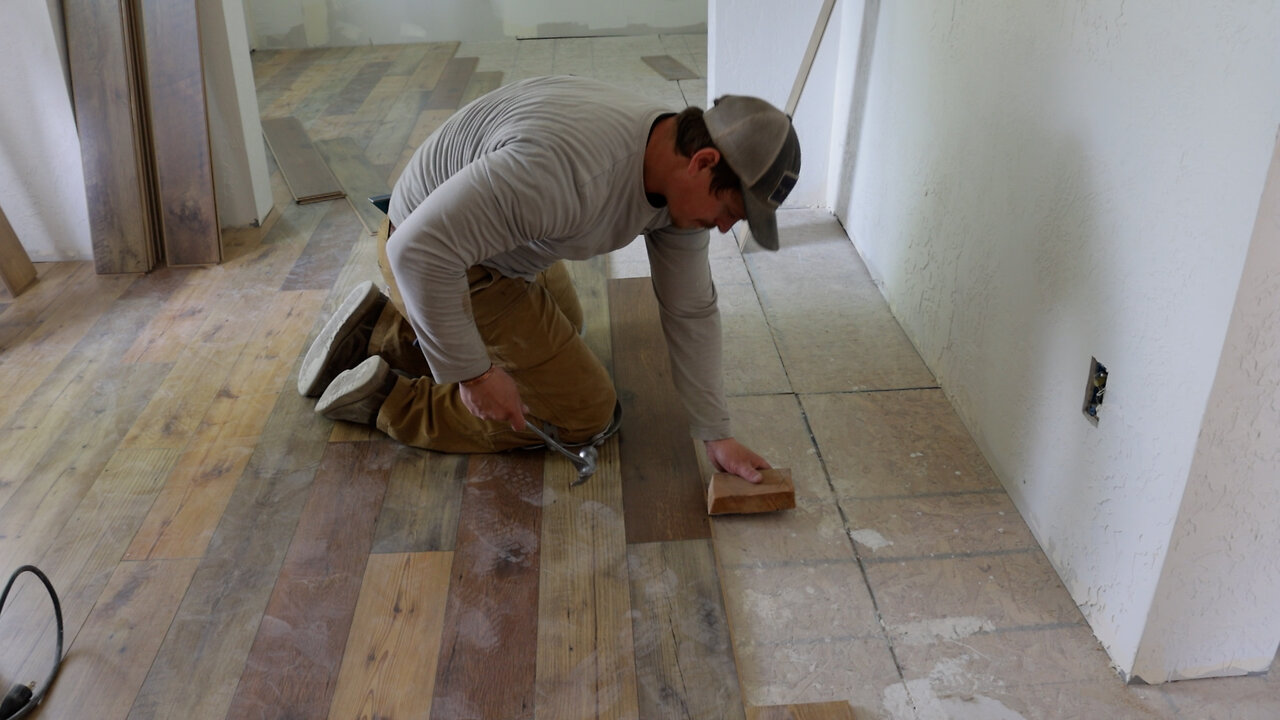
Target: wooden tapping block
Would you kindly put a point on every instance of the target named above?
(811, 711)
(729, 493)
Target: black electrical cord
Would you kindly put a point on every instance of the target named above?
(20, 700)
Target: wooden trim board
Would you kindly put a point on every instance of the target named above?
(304, 170)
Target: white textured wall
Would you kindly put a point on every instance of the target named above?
(41, 176)
(317, 23)
(1215, 607)
(1038, 183)
(752, 49)
(239, 156)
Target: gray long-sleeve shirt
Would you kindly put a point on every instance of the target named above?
(534, 172)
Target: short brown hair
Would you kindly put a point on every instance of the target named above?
(692, 136)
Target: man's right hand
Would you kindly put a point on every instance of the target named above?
(494, 396)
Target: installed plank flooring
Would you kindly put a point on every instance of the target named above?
(223, 552)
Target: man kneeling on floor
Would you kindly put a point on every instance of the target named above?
(481, 332)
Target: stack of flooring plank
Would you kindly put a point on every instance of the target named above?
(138, 86)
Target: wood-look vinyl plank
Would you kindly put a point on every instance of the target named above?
(326, 252)
(389, 667)
(391, 136)
(357, 89)
(586, 661)
(107, 115)
(78, 551)
(422, 504)
(180, 133)
(369, 117)
(173, 415)
(358, 178)
(452, 83)
(314, 87)
(684, 657)
(428, 121)
(661, 479)
(427, 74)
(279, 71)
(43, 294)
(487, 651)
(203, 655)
(293, 665)
(108, 659)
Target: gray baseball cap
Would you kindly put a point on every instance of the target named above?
(760, 145)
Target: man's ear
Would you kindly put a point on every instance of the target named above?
(703, 159)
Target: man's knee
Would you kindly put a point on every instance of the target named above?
(594, 417)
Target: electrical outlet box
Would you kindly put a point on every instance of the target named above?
(1094, 389)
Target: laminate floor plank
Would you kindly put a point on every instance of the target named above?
(203, 655)
(586, 664)
(684, 656)
(452, 83)
(298, 650)
(423, 501)
(179, 133)
(109, 658)
(389, 667)
(487, 650)
(661, 479)
(391, 135)
(17, 272)
(480, 83)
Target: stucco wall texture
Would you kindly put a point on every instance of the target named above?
(1037, 184)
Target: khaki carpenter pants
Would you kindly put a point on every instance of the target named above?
(532, 331)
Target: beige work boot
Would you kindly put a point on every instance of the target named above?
(357, 394)
(344, 341)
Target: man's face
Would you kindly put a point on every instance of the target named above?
(698, 206)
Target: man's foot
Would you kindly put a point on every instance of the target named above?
(357, 394)
(344, 341)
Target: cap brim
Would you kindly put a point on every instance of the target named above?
(762, 220)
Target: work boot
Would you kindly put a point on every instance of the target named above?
(344, 341)
(357, 394)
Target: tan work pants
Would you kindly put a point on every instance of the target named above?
(531, 330)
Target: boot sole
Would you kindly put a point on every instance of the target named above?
(311, 378)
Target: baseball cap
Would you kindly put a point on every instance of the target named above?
(761, 147)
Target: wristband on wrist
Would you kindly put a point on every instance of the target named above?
(479, 378)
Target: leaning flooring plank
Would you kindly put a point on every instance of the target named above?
(111, 654)
(684, 657)
(309, 179)
(180, 133)
(107, 115)
(661, 480)
(16, 270)
(586, 660)
(487, 651)
(293, 666)
(203, 655)
(389, 666)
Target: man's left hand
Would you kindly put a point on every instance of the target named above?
(729, 455)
